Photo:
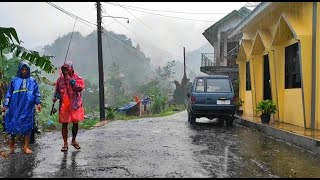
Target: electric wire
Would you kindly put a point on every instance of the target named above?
(90, 25)
(199, 20)
(145, 24)
(129, 6)
(142, 38)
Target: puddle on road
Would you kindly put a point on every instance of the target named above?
(243, 152)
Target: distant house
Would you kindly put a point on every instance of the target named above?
(146, 106)
(223, 60)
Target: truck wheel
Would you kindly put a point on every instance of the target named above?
(192, 119)
(229, 122)
(221, 121)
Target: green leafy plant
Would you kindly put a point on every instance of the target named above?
(10, 43)
(236, 84)
(266, 107)
(88, 123)
(111, 112)
(159, 99)
(238, 103)
(10, 46)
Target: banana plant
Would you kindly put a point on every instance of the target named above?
(10, 45)
(9, 41)
(111, 112)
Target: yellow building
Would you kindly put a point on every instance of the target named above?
(279, 59)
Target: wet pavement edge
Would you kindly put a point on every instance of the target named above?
(305, 142)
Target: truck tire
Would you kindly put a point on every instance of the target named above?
(192, 119)
(221, 121)
(229, 121)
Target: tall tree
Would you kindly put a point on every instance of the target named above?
(116, 95)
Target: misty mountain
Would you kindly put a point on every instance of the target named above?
(193, 63)
(136, 67)
(193, 58)
(115, 47)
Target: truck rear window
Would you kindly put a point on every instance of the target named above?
(218, 85)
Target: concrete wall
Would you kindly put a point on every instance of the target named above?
(281, 25)
(231, 23)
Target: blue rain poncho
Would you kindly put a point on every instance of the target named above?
(21, 97)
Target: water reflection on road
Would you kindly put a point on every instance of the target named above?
(243, 152)
(163, 147)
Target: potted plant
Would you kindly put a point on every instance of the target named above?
(266, 107)
(238, 104)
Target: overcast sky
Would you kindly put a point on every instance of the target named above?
(38, 23)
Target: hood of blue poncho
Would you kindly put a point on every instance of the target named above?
(23, 64)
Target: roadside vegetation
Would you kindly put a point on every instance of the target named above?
(120, 85)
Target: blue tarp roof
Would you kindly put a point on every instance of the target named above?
(132, 104)
(127, 106)
(145, 101)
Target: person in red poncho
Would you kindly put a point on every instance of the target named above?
(68, 90)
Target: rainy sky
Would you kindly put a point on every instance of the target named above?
(168, 26)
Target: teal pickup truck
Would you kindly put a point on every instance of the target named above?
(212, 97)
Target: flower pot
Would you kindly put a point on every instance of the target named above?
(265, 118)
(239, 112)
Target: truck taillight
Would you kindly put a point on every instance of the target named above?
(234, 99)
(193, 99)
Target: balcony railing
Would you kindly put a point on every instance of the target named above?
(225, 59)
(207, 59)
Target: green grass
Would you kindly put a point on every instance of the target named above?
(168, 112)
(88, 123)
(43, 117)
(1, 128)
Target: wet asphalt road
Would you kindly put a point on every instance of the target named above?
(163, 147)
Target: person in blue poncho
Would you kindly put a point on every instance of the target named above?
(21, 97)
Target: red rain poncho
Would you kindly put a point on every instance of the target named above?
(70, 106)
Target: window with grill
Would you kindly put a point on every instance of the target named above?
(248, 78)
(292, 67)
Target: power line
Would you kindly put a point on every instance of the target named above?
(167, 11)
(167, 16)
(133, 48)
(126, 44)
(70, 40)
(83, 20)
(114, 20)
(89, 24)
(143, 22)
(109, 48)
(140, 35)
(126, 47)
(136, 50)
(68, 13)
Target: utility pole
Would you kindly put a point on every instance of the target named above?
(100, 65)
(184, 61)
